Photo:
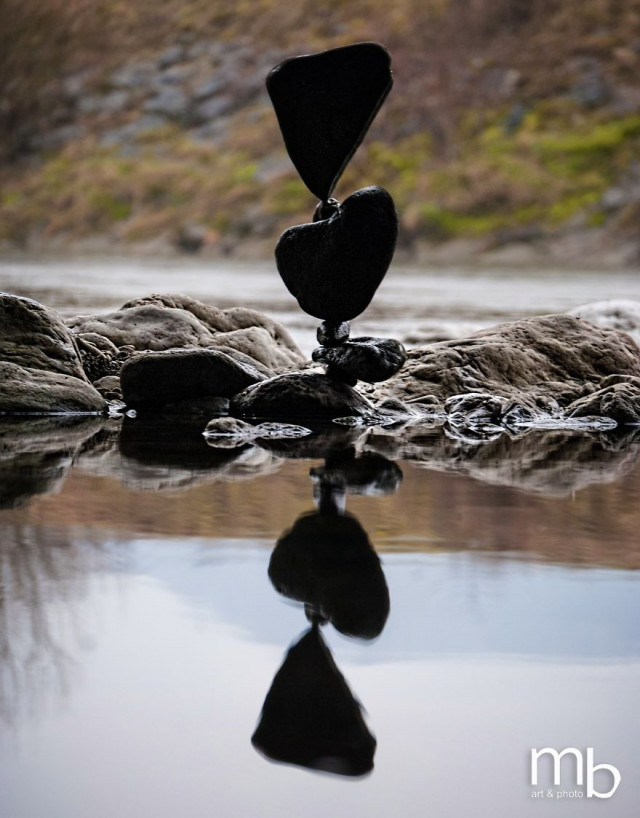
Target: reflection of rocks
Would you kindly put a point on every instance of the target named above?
(554, 463)
(40, 368)
(161, 322)
(327, 562)
(310, 717)
(37, 453)
(162, 452)
(369, 474)
(300, 395)
(542, 364)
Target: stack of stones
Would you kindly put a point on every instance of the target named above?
(333, 265)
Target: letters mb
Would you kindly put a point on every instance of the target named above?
(582, 766)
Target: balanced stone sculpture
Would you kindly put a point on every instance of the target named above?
(334, 264)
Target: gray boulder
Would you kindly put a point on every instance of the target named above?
(40, 368)
(157, 378)
(161, 322)
(543, 363)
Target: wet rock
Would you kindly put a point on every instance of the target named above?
(229, 431)
(109, 387)
(366, 359)
(40, 368)
(620, 401)
(325, 104)
(331, 335)
(156, 378)
(333, 267)
(533, 361)
(300, 395)
(160, 322)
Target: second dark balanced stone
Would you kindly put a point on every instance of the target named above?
(331, 334)
(365, 359)
(334, 266)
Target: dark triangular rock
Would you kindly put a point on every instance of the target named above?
(310, 717)
(325, 103)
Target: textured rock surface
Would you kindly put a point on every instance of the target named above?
(542, 363)
(300, 395)
(40, 368)
(618, 398)
(365, 359)
(156, 378)
(160, 322)
(325, 103)
(334, 266)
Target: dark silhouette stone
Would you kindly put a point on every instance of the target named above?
(325, 104)
(158, 378)
(327, 561)
(331, 334)
(366, 359)
(310, 717)
(333, 267)
(300, 395)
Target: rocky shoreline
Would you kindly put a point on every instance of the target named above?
(171, 353)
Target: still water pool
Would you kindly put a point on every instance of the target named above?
(141, 631)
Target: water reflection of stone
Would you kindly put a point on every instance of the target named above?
(550, 463)
(310, 718)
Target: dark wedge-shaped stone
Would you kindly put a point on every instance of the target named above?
(325, 103)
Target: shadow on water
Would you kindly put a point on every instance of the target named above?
(310, 718)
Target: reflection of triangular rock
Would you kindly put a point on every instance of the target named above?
(310, 717)
(325, 103)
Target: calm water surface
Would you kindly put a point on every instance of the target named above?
(483, 599)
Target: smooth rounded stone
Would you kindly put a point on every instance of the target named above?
(157, 378)
(35, 337)
(35, 391)
(325, 104)
(310, 718)
(331, 335)
(533, 361)
(619, 401)
(310, 395)
(160, 322)
(334, 267)
(366, 359)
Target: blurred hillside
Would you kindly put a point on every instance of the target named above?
(512, 131)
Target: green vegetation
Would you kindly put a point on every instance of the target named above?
(446, 144)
